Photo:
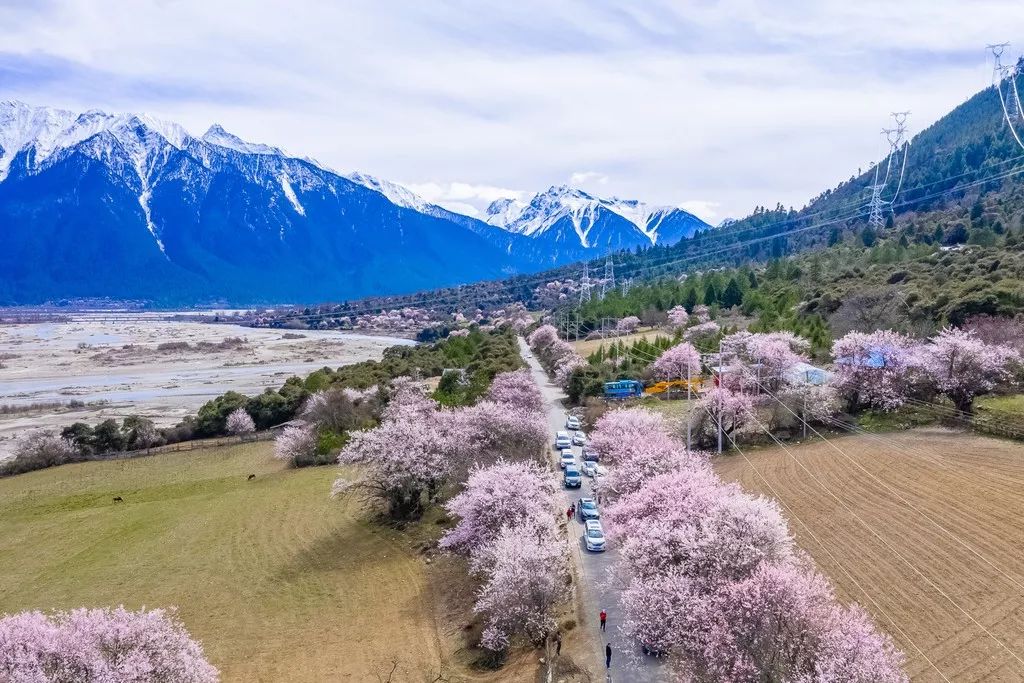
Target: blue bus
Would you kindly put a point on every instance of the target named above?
(623, 388)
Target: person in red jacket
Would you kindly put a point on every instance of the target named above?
(604, 618)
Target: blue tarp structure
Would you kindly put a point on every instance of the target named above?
(805, 372)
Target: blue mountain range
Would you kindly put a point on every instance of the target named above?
(125, 206)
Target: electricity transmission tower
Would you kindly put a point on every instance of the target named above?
(608, 283)
(1012, 109)
(627, 282)
(897, 143)
(585, 284)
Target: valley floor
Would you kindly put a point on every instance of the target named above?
(277, 580)
(925, 529)
(123, 364)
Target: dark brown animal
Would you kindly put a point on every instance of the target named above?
(118, 499)
(251, 477)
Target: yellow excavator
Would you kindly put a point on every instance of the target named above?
(678, 385)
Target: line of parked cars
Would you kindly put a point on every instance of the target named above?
(572, 476)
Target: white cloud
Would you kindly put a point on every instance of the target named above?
(702, 209)
(738, 103)
(465, 198)
(584, 177)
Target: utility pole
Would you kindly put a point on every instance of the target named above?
(721, 391)
(803, 411)
(689, 410)
(627, 283)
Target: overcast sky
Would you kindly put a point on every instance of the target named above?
(717, 107)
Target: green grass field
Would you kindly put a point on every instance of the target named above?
(1003, 404)
(278, 581)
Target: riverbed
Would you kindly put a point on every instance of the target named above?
(98, 365)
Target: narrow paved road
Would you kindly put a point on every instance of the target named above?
(595, 589)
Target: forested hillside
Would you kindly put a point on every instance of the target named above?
(964, 185)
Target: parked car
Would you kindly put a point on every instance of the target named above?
(572, 422)
(593, 535)
(566, 458)
(579, 439)
(572, 477)
(592, 469)
(590, 454)
(586, 508)
(562, 440)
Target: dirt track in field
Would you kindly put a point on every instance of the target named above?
(941, 570)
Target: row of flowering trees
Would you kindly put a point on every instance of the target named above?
(558, 356)
(508, 532)
(713, 580)
(506, 510)
(418, 446)
(758, 385)
(100, 646)
(885, 369)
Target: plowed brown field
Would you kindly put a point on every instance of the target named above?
(923, 528)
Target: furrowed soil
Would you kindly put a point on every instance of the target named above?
(923, 528)
(277, 580)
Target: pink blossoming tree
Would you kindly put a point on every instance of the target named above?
(525, 579)
(100, 646)
(518, 494)
(295, 443)
(239, 422)
(678, 318)
(627, 324)
(961, 366)
(516, 389)
(678, 362)
(874, 369)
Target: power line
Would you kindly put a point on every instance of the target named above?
(891, 490)
(792, 513)
(652, 265)
(888, 545)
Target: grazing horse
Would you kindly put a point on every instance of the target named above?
(118, 499)
(251, 477)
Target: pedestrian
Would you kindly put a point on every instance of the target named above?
(604, 618)
(568, 514)
(558, 643)
(608, 656)
(572, 510)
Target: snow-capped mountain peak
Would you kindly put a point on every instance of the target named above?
(547, 208)
(216, 135)
(47, 131)
(396, 194)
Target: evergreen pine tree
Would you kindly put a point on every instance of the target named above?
(732, 296)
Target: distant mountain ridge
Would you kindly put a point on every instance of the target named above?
(127, 206)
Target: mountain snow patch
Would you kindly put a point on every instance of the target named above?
(286, 187)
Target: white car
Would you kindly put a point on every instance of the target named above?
(578, 439)
(592, 469)
(572, 422)
(593, 535)
(566, 458)
(562, 440)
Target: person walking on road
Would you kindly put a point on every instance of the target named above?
(604, 619)
(558, 644)
(608, 656)
(568, 514)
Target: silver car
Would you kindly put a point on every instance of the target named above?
(593, 536)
